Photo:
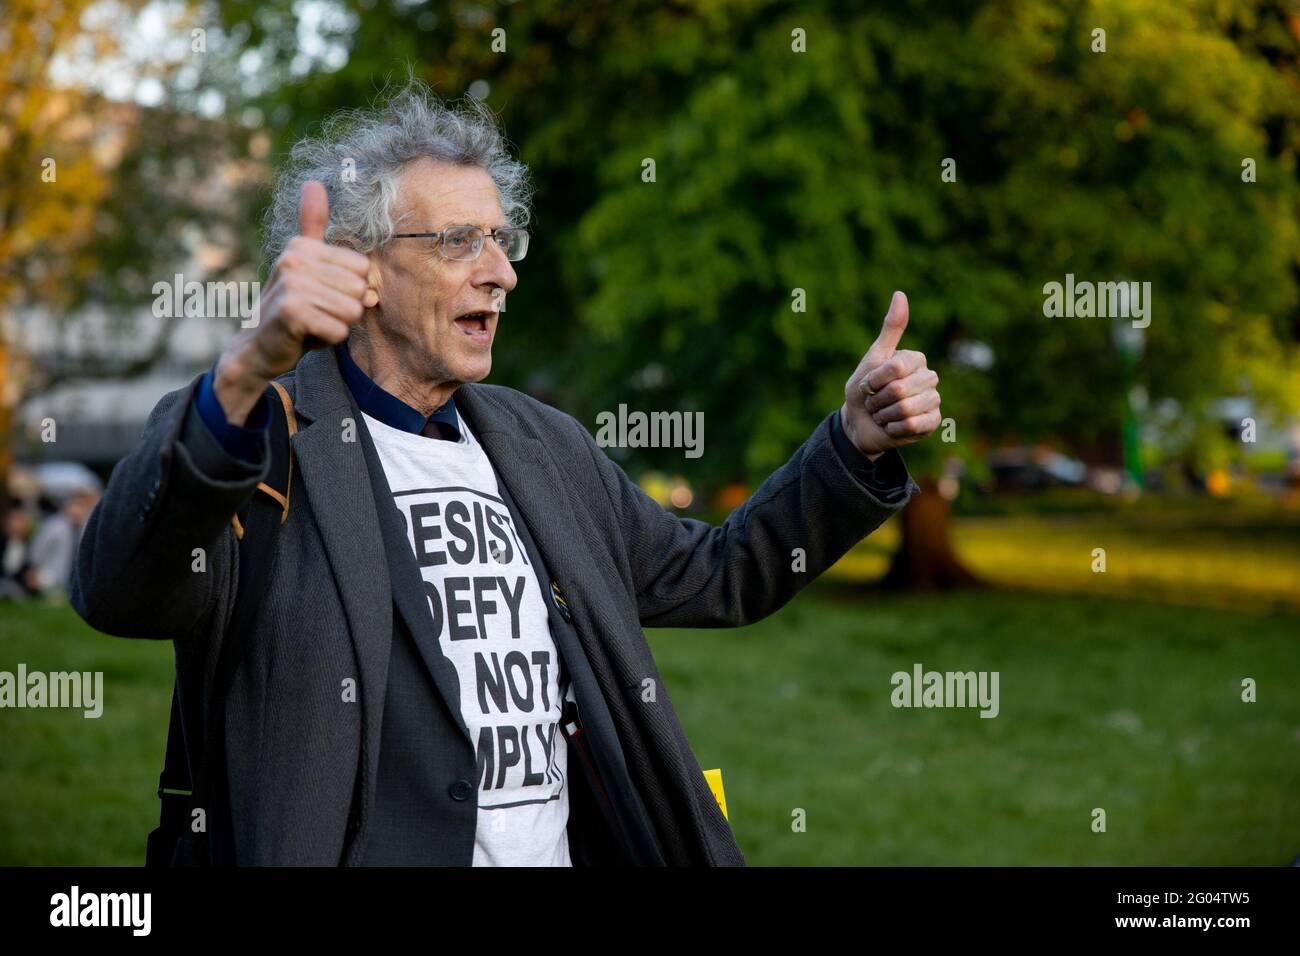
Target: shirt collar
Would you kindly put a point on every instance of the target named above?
(387, 407)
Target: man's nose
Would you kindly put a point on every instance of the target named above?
(493, 268)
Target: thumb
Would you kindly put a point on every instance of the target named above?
(891, 331)
(313, 210)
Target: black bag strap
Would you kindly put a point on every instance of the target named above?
(174, 843)
(173, 791)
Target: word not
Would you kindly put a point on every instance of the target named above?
(666, 430)
(1086, 300)
(103, 909)
(951, 689)
(58, 689)
(210, 300)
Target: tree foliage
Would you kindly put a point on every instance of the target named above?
(778, 170)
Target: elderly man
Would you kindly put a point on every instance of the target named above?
(431, 652)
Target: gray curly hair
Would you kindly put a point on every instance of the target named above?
(360, 154)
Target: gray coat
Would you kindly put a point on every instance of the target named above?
(297, 756)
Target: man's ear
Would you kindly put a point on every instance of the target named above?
(371, 297)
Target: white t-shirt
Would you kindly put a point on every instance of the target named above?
(491, 622)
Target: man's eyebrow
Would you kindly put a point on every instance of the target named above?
(470, 222)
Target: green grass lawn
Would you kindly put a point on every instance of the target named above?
(1209, 554)
(1131, 707)
(1128, 706)
(73, 790)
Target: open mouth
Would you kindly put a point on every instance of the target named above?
(474, 324)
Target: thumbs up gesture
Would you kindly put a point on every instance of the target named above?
(891, 398)
(315, 294)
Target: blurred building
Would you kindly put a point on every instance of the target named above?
(96, 421)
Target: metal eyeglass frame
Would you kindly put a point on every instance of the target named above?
(518, 230)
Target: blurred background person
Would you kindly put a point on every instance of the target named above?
(15, 552)
(55, 544)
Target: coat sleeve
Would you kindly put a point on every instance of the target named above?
(135, 572)
(691, 574)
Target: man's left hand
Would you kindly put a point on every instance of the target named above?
(891, 399)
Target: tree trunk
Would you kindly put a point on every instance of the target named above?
(926, 560)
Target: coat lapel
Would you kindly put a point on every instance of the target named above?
(527, 470)
(352, 506)
(334, 475)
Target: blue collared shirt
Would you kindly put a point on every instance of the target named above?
(387, 407)
(243, 441)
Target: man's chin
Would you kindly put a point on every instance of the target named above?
(472, 368)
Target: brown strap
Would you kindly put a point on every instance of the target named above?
(283, 499)
(292, 422)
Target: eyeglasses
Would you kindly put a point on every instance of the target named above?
(466, 242)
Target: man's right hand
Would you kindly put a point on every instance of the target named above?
(312, 299)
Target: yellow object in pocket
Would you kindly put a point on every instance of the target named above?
(714, 780)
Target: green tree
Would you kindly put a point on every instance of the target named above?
(100, 197)
(819, 170)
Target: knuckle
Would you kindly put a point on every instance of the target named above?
(296, 309)
(298, 249)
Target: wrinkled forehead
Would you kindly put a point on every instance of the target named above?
(432, 194)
